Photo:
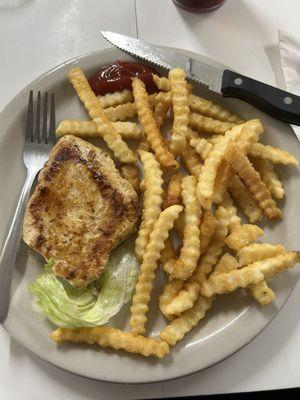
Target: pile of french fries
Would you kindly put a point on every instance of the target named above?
(193, 181)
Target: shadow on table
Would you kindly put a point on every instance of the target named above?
(78, 387)
(241, 367)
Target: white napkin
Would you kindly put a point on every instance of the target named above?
(289, 46)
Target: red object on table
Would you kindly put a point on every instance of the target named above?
(117, 76)
(199, 5)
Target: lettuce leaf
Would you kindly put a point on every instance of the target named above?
(69, 307)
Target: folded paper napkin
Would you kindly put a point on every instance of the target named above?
(289, 45)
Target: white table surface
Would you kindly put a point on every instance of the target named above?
(36, 35)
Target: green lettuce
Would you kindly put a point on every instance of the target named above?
(69, 307)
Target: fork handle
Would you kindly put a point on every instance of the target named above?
(11, 246)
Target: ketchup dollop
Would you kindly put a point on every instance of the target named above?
(117, 76)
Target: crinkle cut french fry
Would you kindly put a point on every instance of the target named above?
(278, 263)
(77, 128)
(208, 227)
(180, 326)
(173, 193)
(249, 135)
(143, 145)
(162, 83)
(168, 252)
(143, 288)
(169, 265)
(199, 104)
(205, 188)
(244, 199)
(201, 145)
(116, 98)
(252, 179)
(216, 244)
(261, 292)
(164, 156)
(181, 110)
(273, 154)
(105, 336)
(160, 113)
(191, 161)
(269, 176)
(128, 130)
(242, 236)
(121, 112)
(246, 134)
(160, 97)
(152, 200)
(191, 288)
(93, 106)
(251, 131)
(88, 129)
(210, 125)
(258, 251)
(170, 291)
(223, 177)
(186, 297)
(252, 274)
(214, 139)
(190, 251)
(210, 109)
(130, 173)
(226, 263)
(234, 219)
(179, 225)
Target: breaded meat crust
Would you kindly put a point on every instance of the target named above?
(80, 210)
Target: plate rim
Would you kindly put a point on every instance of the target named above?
(120, 381)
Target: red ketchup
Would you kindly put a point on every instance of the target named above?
(117, 76)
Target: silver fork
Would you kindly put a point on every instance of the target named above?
(38, 142)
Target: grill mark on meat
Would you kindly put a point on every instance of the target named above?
(65, 154)
(114, 197)
(71, 274)
(40, 241)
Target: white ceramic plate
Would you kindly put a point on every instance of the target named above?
(234, 319)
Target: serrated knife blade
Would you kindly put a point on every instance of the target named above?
(167, 58)
(278, 103)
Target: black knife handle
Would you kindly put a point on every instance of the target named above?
(278, 103)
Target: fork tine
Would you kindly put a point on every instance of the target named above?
(37, 136)
(45, 114)
(29, 121)
(52, 120)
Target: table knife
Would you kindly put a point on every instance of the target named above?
(278, 103)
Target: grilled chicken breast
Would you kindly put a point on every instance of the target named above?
(80, 210)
